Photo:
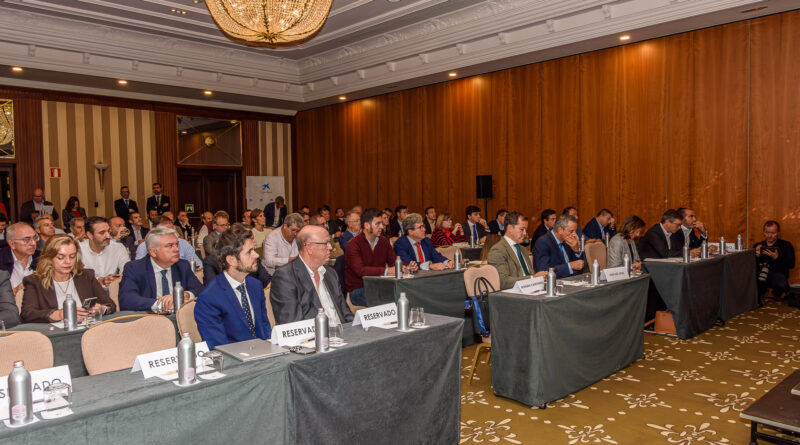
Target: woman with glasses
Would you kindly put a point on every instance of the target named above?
(445, 234)
(60, 273)
(73, 209)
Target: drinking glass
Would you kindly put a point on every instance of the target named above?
(216, 359)
(2, 326)
(417, 317)
(57, 397)
(336, 334)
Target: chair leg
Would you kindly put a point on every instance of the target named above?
(475, 359)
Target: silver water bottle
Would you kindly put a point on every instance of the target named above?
(186, 360)
(704, 250)
(398, 268)
(70, 313)
(192, 264)
(402, 312)
(685, 254)
(321, 331)
(20, 395)
(739, 243)
(595, 273)
(457, 259)
(583, 242)
(722, 245)
(606, 239)
(626, 261)
(177, 296)
(551, 282)
(471, 240)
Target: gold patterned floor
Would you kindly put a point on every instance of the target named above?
(683, 392)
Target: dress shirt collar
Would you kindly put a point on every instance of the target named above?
(510, 241)
(666, 234)
(320, 270)
(234, 284)
(23, 267)
(158, 268)
(554, 237)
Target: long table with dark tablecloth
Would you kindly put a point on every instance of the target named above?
(437, 292)
(705, 290)
(67, 344)
(384, 387)
(544, 348)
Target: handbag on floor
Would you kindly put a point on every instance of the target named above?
(480, 306)
(665, 324)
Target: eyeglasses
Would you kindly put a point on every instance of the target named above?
(29, 239)
(328, 243)
(222, 225)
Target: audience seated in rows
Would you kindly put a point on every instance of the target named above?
(475, 228)
(45, 228)
(186, 252)
(260, 229)
(105, 257)
(444, 234)
(601, 225)
(624, 242)
(9, 312)
(559, 249)
(430, 220)
(416, 247)
(352, 228)
(279, 246)
(211, 267)
(512, 263)
(220, 225)
(658, 241)
(548, 221)
(497, 225)
(20, 257)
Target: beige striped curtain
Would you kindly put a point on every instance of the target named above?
(78, 136)
(275, 153)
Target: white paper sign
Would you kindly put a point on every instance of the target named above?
(164, 362)
(39, 380)
(383, 315)
(527, 286)
(730, 247)
(614, 274)
(293, 334)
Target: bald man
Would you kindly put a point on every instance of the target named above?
(34, 208)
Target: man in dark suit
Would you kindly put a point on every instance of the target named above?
(600, 225)
(137, 233)
(689, 226)
(147, 283)
(158, 202)
(275, 212)
(303, 286)
(548, 221)
(233, 307)
(211, 267)
(497, 226)
(34, 208)
(557, 249)
(396, 224)
(20, 257)
(658, 241)
(124, 206)
(475, 227)
(573, 212)
(221, 225)
(430, 220)
(415, 247)
(9, 312)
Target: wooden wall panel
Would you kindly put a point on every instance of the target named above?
(166, 152)
(28, 146)
(775, 125)
(523, 172)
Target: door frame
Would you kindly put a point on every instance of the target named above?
(238, 203)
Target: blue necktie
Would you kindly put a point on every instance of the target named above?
(164, 283)
(475, 233)
(246, 307)
(563, 252)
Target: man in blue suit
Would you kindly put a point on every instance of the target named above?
(275, 212)
(232, 308)
(415, 247)
(557, 249)
(147, 283)
(600, 225)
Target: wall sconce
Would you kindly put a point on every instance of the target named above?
(101, 172)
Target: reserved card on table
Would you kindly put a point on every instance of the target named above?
(293, 334)
(40, 379)
(527, 286)
(614, 274)
(164, 362)
(383, 315)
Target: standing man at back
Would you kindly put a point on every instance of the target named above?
(124, 206)
(158, 202)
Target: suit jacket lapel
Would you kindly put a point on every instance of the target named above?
(233, 298)
(50, 294)
(554, 243)
(304, 280)
(514, 259)
(150, 278)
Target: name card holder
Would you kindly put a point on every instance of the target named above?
(40, 379)
(165, 362)
(383, 316)
(614, 274)
(527, 286)
(294, 334)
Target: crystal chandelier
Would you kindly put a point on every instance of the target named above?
(272, 23)
(6, 122)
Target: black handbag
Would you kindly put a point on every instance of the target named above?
(480, 306)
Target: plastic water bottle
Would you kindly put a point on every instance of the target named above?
(321, 331)
(70, 313)
(177, 296)
(551, 282)
(20, 395)
(457, 259)
(626, 261)
(606, 239)
(595, 273)
(398, 268)
(722, 245)
(583, 242)
(186, 360)
(402, 312)
(704, 250)
(685, 254)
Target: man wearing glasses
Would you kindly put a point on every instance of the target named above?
(220, 225)
(20, 257)
(417, 248)
(658, 242)
(36, 207)
(279, 246)
(307, 284)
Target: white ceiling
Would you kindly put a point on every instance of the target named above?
(366, 47)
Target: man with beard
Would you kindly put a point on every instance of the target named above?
(100, 254)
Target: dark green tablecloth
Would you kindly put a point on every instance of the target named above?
(739, 291)
(438, 292)
(546, 348)
(383, 387)
(67, 344)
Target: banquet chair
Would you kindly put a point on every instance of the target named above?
(113, 291)
(596, 251)
(18, 298)
(471, 275)
(33, 348)
(112, 345)
(448, 252)
(270, 313)
(186, 321)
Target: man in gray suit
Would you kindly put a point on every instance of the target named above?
(221, 225)
(306, 284)
(507, 256)
(9, 313)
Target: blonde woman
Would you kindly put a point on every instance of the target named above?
(260, 229)
(60, 273)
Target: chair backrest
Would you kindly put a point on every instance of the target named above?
(113, 345)
(186, 321)
(18, 298)
(270, 314)
(199, 275)
(33, 348)
(113, 291)
(473, 273)
(448, 252)
(491, 240)
(596, 251)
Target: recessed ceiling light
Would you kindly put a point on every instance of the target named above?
(452, 74)
(122, 82)
(624, 37)
(754, 9)
(208, 92)
(17, 69)
(184, 132)
(342, 97)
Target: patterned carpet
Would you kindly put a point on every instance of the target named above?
(682, 392)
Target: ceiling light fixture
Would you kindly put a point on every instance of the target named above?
(452, 74)
(122, 82)
(342, 97)
(16, 69)
(208, 92)
(624, 37)
(269, 23)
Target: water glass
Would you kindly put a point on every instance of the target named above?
(336, 334)
(417, 317)
(57, 396)
(215, 358)
(98, 314)
(2, 326)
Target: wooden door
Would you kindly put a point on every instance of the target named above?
(210, 190)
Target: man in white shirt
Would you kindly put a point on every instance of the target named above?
(279, 246)
(186, 252)
(20, 257)
(307, 284)
(98, 253)
(77, 229)
(205, 229)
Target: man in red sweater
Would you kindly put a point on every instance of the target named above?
(369, 254)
